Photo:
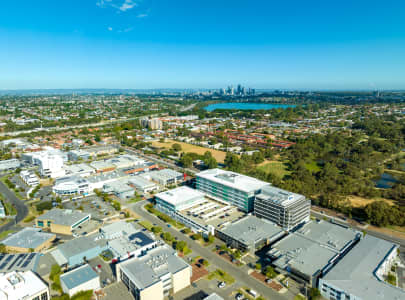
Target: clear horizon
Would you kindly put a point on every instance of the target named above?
(158, 44)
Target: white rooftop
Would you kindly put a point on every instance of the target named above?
(355, 273)
(180, 195)
(234, 180)
(279, 196)
(20, 285)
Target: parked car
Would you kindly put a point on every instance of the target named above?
(221, 285)
(239, 296)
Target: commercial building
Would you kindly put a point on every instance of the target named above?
(284, 208)
(62, 221)
(136, 169)
(75, 252)
(165, 177)
(75, 155)
(22, 285)
(141, 184)
(29, 177)
(312, 250)
(50, 161)
(195, 210)
(119, 188)
(179, 198)
(28, 239)
(71, 185)
(100, 150)
(126, 161)
(102, 166)
(82, 170)
(360, 274)
(83, 278)
(250, 233)
(124, 240)
(99, 180)
(51, 166)
(236, 189)
(9, 164)
(156, 275)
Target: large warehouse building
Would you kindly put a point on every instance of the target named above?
(236, 189)
(359, 275)
(250, 233)
(312, 250)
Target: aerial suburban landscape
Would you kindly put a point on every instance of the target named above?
(159, 151)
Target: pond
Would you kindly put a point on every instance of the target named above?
(246, 106)
(386, 181)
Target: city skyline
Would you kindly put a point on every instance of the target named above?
(127, 44)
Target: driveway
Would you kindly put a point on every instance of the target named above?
(239, 273)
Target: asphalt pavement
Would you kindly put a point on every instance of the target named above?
(239, 273)
(22, 210)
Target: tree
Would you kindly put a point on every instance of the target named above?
(314, 294)
(157, 229)
(270, 272)
(176, 147)
(181, 246)
(258, 266)
(196, 236)
(167, 237)
(186, 161)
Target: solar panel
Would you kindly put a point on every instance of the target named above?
(14, 262)
(22, 259)
(27, 262)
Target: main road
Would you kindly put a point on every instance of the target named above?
(22, 210)
(160, 161)
(239, 273)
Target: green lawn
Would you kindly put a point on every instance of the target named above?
(222, 276)
(312, 167)
(5, 233)
(277, 168)
(148, 225)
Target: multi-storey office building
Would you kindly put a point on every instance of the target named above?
(155, 275)
(236, 189)
(284, 208)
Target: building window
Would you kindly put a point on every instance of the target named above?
(44, 296)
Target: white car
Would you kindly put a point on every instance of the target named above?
(221, 284)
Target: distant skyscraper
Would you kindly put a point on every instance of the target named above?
(239, 90)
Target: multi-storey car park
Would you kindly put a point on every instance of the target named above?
(236, 189)
(196, 210)
(282, 207)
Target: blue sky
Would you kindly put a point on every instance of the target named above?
(289, 44)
